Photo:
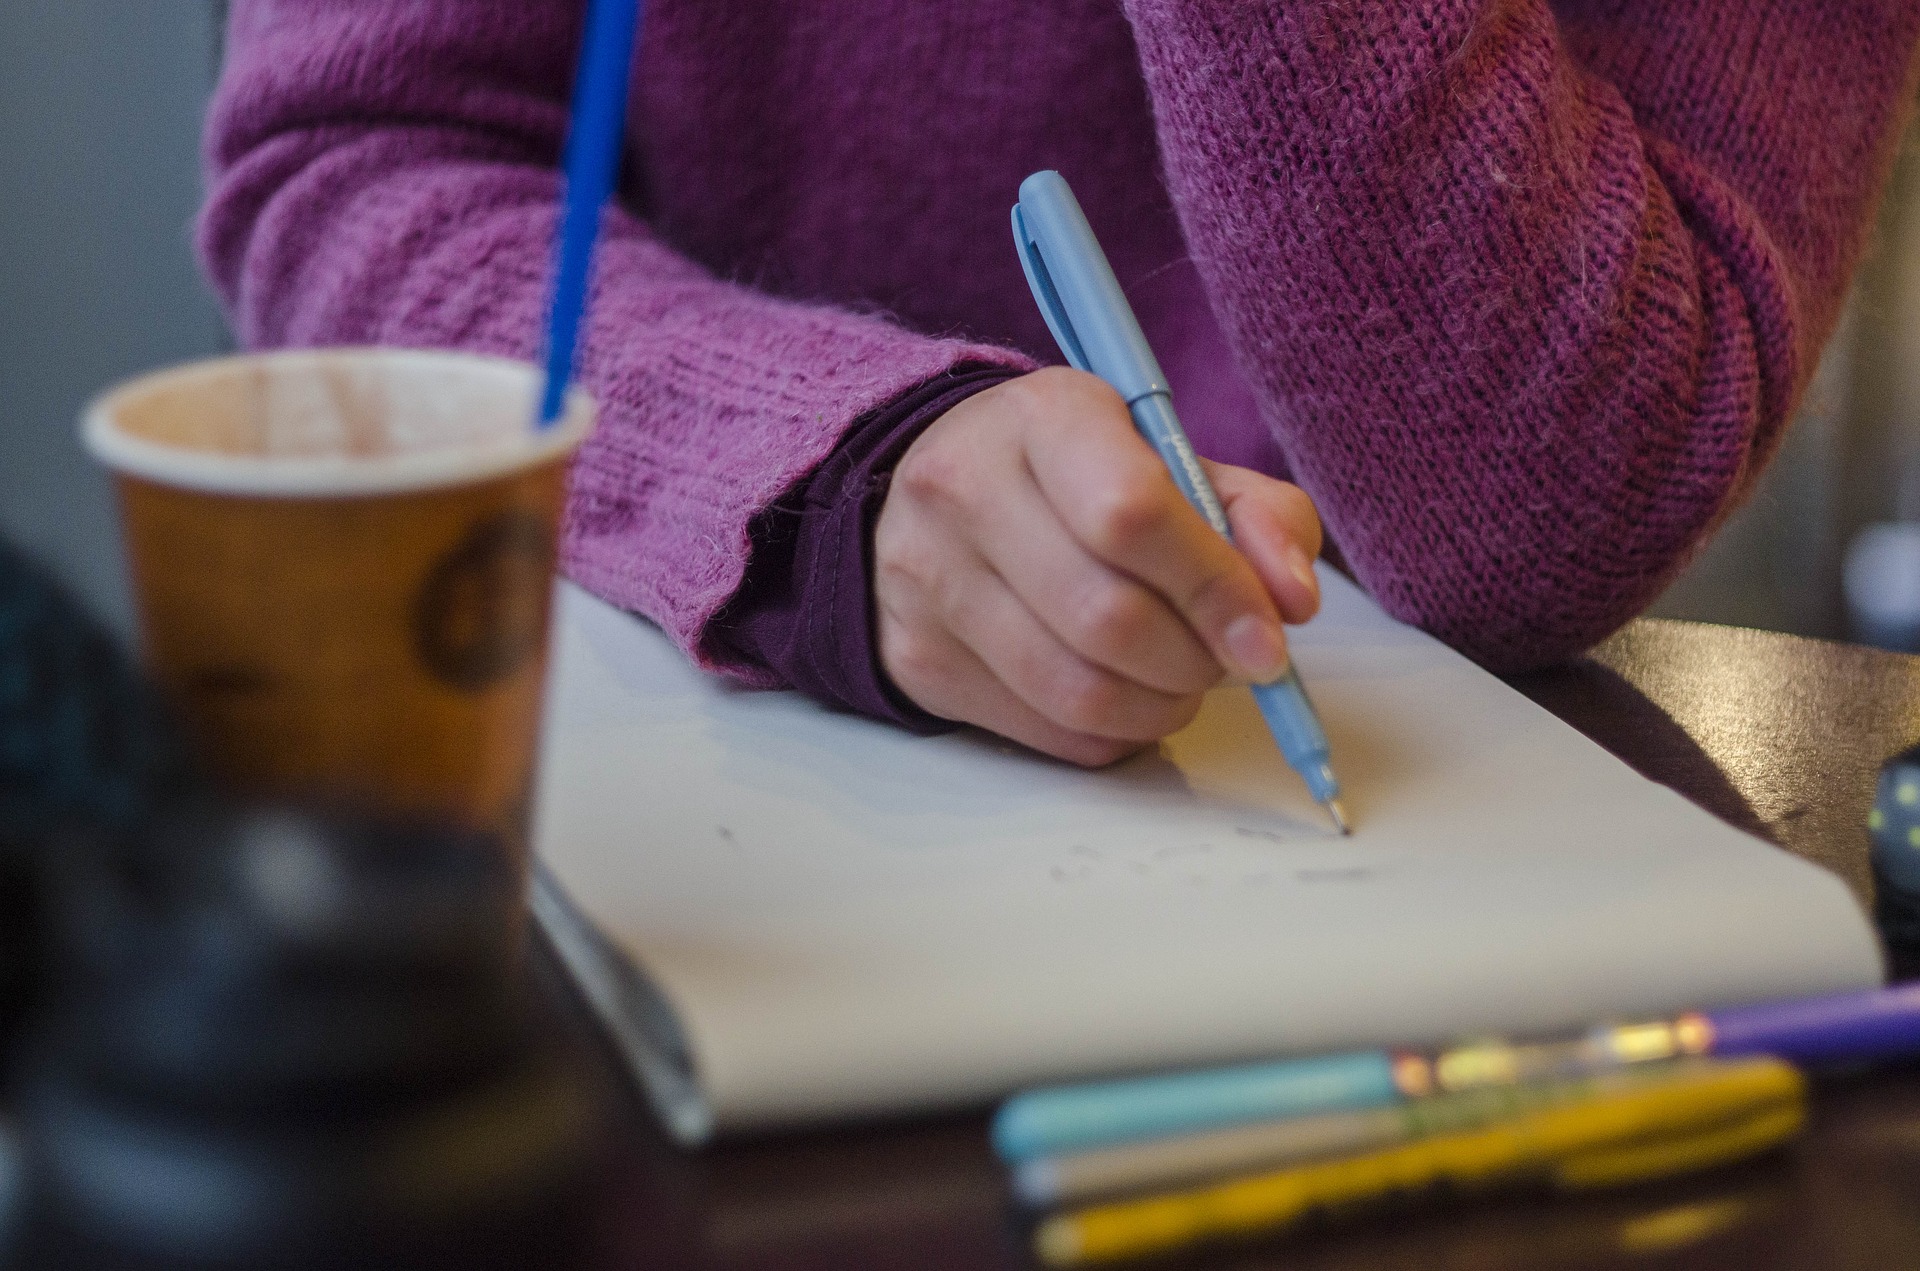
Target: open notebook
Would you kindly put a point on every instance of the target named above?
(786, 915)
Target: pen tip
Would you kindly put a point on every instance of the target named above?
(1339, 815)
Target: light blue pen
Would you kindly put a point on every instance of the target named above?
(1059, 1120)
(1089, 316)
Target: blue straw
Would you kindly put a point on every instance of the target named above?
(593, 158)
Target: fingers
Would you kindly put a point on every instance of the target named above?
(1040, 696)
(945, 679)
(1038, 573)
(1277, 530)
(1066, 688)
(967, 483)
(1115, 497)
(1097, 612)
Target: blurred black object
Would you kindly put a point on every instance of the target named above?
(294, 1039)
(83, 741)
(259, 1036)
(1895, 825)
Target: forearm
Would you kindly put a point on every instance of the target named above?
(1528, 304)
(402, 190)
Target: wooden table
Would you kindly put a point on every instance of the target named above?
(1779, 735)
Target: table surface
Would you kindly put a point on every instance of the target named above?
(1779, 735)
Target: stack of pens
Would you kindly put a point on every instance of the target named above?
(1155, 1164)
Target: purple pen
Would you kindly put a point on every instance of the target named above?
(1845, 1028)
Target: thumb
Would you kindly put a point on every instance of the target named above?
(1277, 530)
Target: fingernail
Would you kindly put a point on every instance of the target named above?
(1259, 651)
(1302, 566)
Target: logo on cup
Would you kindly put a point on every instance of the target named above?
(482, 610)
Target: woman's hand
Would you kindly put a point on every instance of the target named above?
(1038, 573)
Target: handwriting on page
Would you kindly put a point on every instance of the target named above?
(1246, 858)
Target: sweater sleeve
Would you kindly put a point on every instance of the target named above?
(806, 609)
(1527, 293)
(387, 173)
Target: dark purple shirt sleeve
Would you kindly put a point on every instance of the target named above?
(805, 611)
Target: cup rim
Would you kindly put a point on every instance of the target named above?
(325, 476)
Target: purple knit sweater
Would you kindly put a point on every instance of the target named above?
(1522, 293)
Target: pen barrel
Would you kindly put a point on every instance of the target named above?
(1685, 1118)
(1839, 1029)
(1296, 729)
(1154, 418)
(1087, 311)
(1077, 292)
(1062, 1119)
(1284, 703)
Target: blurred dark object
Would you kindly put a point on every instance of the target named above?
(1895, 825)
(261, 1036)
(20, 956)
(83, 742)
(82, 736)
(285, 1038)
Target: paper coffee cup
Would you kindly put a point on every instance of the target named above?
(342, 562)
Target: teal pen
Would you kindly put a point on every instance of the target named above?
(1871, 1026)
(1063, 1119)
(1095, 327)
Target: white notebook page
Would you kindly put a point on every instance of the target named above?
(846, 920)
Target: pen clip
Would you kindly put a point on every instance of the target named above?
(1034, 265)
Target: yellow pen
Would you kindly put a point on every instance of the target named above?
(1167, 1162)
(1706, 1112)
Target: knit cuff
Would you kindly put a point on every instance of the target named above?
(805, 611)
